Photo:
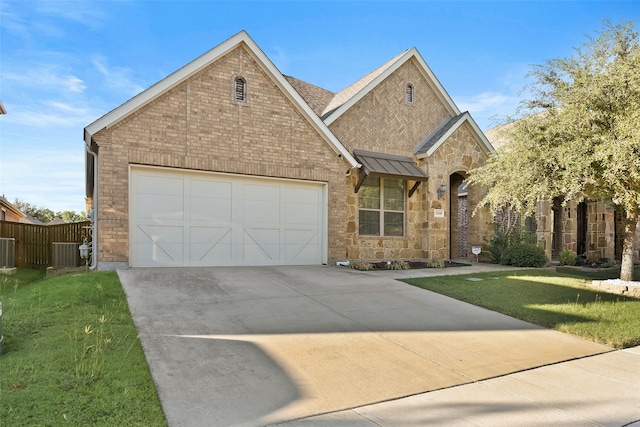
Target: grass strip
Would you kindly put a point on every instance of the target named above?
(71, 354)
(547, 298)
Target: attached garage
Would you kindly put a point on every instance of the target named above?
(192, 218)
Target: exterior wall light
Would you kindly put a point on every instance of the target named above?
(84, 252)
(441, 190)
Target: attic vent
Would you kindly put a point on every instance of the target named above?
(240, 89)
(408, 93)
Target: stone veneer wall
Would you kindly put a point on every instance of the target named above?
(601, 232)
(198, 125)
(459, 154)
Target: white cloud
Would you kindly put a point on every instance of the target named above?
(118, 78)
(485, 101)
(89, 14)
(50, 113)
(49, 77)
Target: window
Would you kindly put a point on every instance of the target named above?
(381, 207)
(240, 89)
(408, 93)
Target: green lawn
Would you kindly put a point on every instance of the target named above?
(556, 300)
(71, 354)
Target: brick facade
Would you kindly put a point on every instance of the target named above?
(198, 125)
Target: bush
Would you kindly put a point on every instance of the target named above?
(567, 257)
(501, 241)
(524, 255)
(436, 263)
(362, 266)
(399, 265)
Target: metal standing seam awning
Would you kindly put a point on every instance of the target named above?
(388, 165)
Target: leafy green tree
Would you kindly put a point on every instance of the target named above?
(578, 136)
(47, 215)
(72, 216)
(43, 214)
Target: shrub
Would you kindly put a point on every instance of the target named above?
(524, 255)
(399, 265)
(362, 266)
(567, 257)
(436, 263)
(501, 241)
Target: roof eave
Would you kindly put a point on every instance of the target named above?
(466, 117)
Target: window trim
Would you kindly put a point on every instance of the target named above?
(381, 210)
(237, 95)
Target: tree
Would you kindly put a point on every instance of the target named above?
(47, 215)
(43, 214)
(578, 135)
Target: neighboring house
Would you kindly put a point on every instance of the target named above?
(229, 162)
(56, 221)
(9, 212)
(592, 228)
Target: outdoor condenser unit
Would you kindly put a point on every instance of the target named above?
(65, 254)
(7, 252)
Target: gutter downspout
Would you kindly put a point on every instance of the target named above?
(94, 204)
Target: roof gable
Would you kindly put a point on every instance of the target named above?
(179, 76)
(349, 96)
(447, 128)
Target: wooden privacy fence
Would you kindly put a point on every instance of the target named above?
(34, 242)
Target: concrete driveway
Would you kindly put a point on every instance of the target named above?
(263, 345)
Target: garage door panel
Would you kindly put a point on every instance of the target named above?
(261, 245)
(297, 213)
(259, 211)
(211, 209)
(195, 218)
(302, 245)
(155, 206)
(301, 255)
(155, 183)
(160, 245)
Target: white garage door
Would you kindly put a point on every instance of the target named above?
(181, 218)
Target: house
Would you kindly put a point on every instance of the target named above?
(593, 229)
(229, 162)
(8, 212)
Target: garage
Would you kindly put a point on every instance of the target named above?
(190, 218)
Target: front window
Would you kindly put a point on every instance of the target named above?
(381, 207)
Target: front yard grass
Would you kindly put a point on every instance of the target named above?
(71, 354)
(555, 300)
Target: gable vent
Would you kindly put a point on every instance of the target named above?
(240, 89)
(408, 93)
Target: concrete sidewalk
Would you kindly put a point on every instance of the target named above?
(601, 390)
(263, 345)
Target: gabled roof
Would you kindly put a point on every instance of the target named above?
(11, 207)
(179, 76)
(434, 140)
(317, 97)
(347, 97)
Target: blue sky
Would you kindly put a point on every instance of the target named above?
(64, 64)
